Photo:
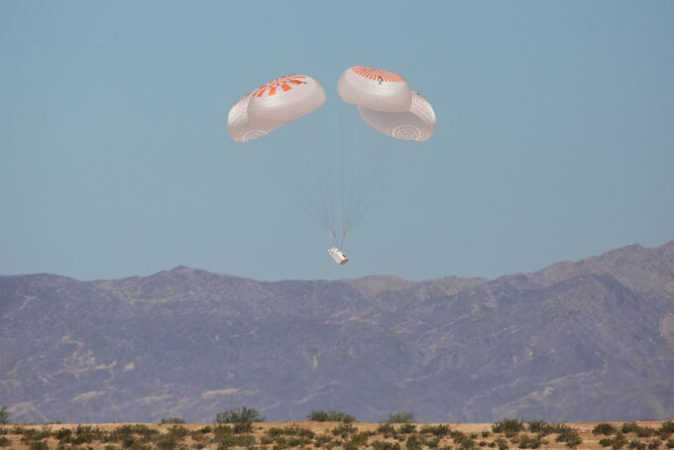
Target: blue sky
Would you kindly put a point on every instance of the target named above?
(554, 137)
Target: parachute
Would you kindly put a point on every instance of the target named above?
(385, 102)
(272, 105)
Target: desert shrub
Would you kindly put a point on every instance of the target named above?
(31, 434)
(358, 440)
(432, 442)
(606, 442)
(178, 431)
(171, 420)
(239, 415)
(322, 440)
(296, 430)
(62, 433)
(526, 441)
(387, 430)
(274, 432)
(413, 442)
(243, 427)
(85, 434)
(634, 443)
(4, 416)
(401, 417)
(126, 435)
(501, 443)
(644, 432)
(343, 430)
(467, 445)
(485, 433)
(291, 430)
(669, 443)
(383, 445)
(319, 415)
(536, 426)
(619, 440)
(39, 445)
(200, 434)
(458, 437)
(604, 428)
(436, 430)
(641, 432)
(236, 440)
(5, 442)
(570, 437)
(407, 428)
(167, 441)
(510, 427)
(666, 429)
(544, 429)
(654, 444)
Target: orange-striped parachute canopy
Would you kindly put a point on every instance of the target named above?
(386, 103)
(272, 105)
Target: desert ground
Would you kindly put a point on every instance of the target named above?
(304, 434)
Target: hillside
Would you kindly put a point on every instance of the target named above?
(586, 341)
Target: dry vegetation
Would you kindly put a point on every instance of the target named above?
(269, 435)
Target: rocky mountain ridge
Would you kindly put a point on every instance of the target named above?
(587, 340)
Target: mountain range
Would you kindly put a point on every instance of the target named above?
(591, 340)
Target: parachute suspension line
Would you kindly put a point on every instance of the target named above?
(380, 154)
(343, 173)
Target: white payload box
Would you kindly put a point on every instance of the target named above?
(338, 255)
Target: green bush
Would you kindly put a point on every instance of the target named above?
(383, 445)
(436, 430)
(319, 415)
(236, 440)
(570, 437)
(634, 443)
(654, 444)
(62, 433)
(39, 445)
(666, 429)
(413, 442)
(344, 430)
(358, 440)
(401, 417)
(606, 442)
(243, 427)
(604, 428)
(501, 443)
(526, 441)
(407, 428)
(4, 416)
(322, 440)
(510, 427)
(239, 415)
(536, 426)
(386, 429)
(5, 442)
(171, 420)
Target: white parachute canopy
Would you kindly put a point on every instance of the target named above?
(417, 124)
(376, 89)
(272, 105)
(386, 103)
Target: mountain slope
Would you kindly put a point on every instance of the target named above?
(591, 340)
